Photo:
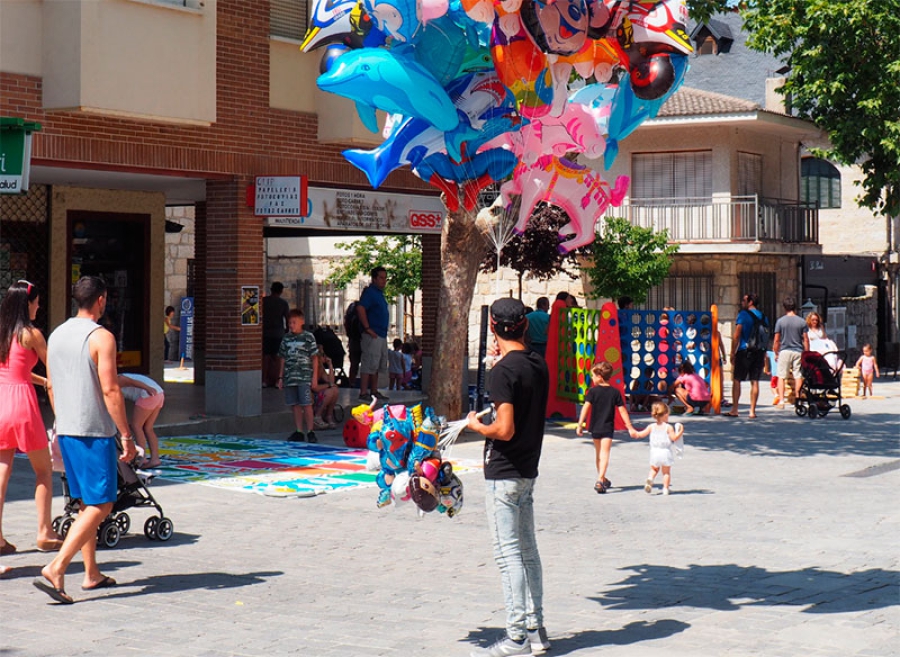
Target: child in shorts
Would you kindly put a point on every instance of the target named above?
(396, 365)
(148, 398)
(299, 355)
(601, 403)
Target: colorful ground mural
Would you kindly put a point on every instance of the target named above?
(269, 467)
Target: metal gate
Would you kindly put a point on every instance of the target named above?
(681, 292)
(25, 244)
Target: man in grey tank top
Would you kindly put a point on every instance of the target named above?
(791, 340)
(89, 408)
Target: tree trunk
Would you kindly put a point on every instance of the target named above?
(462, 249)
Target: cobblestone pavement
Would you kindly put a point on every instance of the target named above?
(780, 539)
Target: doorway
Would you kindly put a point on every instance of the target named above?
(116, 248)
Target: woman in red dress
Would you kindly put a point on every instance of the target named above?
(21, 425)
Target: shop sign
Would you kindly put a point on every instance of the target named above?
(279, 196)
(15, 154)
(186, 337)
(354, 210)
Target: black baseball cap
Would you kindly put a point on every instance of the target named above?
(507, 313)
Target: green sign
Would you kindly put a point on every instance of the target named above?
(15, 154)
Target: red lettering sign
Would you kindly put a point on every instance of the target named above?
(421, 219)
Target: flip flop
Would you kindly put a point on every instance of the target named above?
(730, 415)
(105, 583)
(57, 594)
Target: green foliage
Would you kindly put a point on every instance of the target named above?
(401, 255)
(845, 78)
(628, 260)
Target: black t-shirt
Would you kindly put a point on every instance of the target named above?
(603, 400)
(520, 379)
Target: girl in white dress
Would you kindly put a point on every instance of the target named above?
(665, 443)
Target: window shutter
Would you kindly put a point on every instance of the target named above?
(288, 18)
(671, 175)
(749, 174)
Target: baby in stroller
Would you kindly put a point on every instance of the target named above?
(821, 389)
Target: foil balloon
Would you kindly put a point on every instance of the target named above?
(580, 191)
(399, 19)
(378, 78)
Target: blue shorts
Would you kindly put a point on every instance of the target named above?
(299, 395)
(91, 468)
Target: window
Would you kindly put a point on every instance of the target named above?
(749, 174)
(682, 292)
(820, 182)
(763, 285)
(288, 18)
(671, 175)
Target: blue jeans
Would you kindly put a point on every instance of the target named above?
(510, 513)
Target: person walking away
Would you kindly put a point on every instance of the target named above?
(691, 390)
(89, 407)
(396, 365)
(868, 369)
(170, 325)
(519, 386)
(538, 322)
(299, 356)
(746, 364)
(21, 424)
(374, 320)
(275, 320)
(601, 404)
(663, 437)
(791, 340)
(148, 397)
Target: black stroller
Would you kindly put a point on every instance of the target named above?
(131, 492)
(821, 389)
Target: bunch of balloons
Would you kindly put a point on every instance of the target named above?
(478, 91)
(403, 443)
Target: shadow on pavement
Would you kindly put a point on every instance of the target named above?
(635, 632)
(730, 587)
(188, 582)
(788, 435)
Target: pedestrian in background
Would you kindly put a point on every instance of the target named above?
(170, 325)
(538, 321)
(275, 320)
(519, 385)
(601, 404)
(148, 397)
(791, 340)
(374, 320)
(746, 364)
(299, 356)
(868, 369)
(22, 345)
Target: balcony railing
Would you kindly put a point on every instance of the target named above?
(738, 219)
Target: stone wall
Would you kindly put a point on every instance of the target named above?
(179, 249)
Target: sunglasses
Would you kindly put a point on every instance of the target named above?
(29, 288)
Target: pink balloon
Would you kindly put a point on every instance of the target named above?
(577, 189)
(432, 9)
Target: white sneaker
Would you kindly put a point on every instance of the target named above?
(665, 491)
(505, 647)
(538, 639)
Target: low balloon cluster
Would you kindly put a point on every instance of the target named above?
(404, 449)
(481, 90)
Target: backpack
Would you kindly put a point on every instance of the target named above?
(758, 340)
(351, 322)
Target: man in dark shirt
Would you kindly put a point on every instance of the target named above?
(275, 320)
(512, 449)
